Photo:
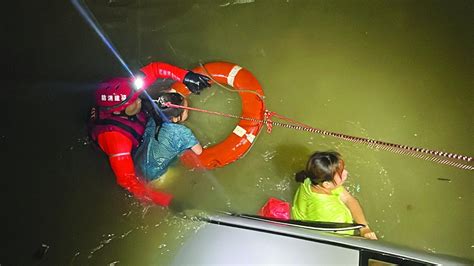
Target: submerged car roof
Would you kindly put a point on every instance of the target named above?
(241, 239)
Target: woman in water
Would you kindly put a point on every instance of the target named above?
(321, 196)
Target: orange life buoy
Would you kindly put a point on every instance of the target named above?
(244, 134)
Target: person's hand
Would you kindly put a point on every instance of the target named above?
(196, 82)
(159, 197)
(366, 232)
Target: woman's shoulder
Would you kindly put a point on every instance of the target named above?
(306, 186)
(179, 130)
(175, 126)
(338, 191)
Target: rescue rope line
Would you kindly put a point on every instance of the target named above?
(422, 153)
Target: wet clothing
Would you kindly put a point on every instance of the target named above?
(311, 206)
(130, 126)
(117, 142)
(159, 70)
(155, 154)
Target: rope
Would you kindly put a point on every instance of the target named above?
(422, 153)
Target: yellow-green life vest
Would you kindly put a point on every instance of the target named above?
(312, 206)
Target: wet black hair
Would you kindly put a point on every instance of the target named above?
(172, 97)
(321, 167)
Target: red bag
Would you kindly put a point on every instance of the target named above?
(275, 208)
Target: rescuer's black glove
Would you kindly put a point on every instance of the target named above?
(196, 82)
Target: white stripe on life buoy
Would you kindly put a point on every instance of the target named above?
(231, 77)
(239, 131)
(250, 137)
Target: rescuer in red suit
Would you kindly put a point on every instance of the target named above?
(118, 122)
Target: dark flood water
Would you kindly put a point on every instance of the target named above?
(399, 71)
